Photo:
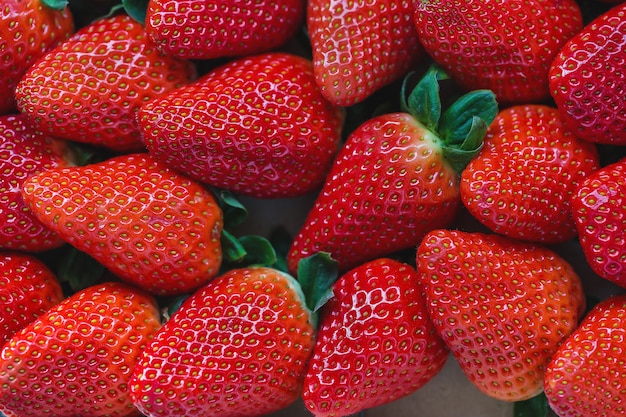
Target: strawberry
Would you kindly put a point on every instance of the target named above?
(375, 342)
(502, 307)
(395, 178)
(200, 29)
(77, 358)
(257, 126)
(585, 377)
(587, 79)
(28, 29)
(504, 46)
(521, 182)
(89, 88)
(145, 222)
(28, 288)
(599, 211)
(360, 46)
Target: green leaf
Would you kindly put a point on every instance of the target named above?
(316, 275)
(233, 250)
(136, 9)
(533, 407)
(79, 269)
(424, 102)
(235, 213)
(259, 251)
(460, 155)
(458, 120)
(55, 4)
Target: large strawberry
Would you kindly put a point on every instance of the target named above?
(502, 307)
(257, 126)
(521, 182)
(587, 79)
(375, 341)
(395, 178)
(28, 29)
(145, 222)
(360, 46)
(89, 88)
(503, 45)
(77, 358)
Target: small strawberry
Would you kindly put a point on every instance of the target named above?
(257, 126)
(502, 307)
(77, 358)
(521, 182)
(587, 79)
(89, 88)
(375, 342)
(504, 46)
(145, 222)
(360, 46)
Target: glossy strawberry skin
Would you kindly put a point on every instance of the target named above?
(521, 183)
(375, 342)
(504, 46)
(502, 307)
(257, 126)
(236, 347)
(76, 359)
(587, 79)
(143, 221)
(89, 88)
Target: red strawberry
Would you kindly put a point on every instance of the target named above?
(143, 221)
(599, 210)
(76, 359)
(504, 46)
(257, 126)
(89, 88)
(28, 288)
(502, 307)
(587, 79)
(585, 378)
(201, 29)
(395, 178)
(28, 29)
(521, 182)
(360, 46)
(375, 342)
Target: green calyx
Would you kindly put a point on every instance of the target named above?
(55, 4)
(462, 126)
(317, 275)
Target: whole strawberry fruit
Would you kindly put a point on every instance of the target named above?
(503, 307)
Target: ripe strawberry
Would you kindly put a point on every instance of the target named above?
(599, 211)
(89, 88)
(257, 126)
(28, 29)
(200, 29)
(395, 178)
(375, 342)
(76, 359)
(28, 288)
(360, 46)
(143, 221)
(502, 307)
(504, 46)
(587, 79)
(521, 182)
(585, 377)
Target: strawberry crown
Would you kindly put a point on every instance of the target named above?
(55, 4)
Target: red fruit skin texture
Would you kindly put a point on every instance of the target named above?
(25, 152)
(77, 358)
(28, 288)
(501, 306)
(146, 223)
(236, 347)
(587, 79)
(28, 30)
(501, 45)
(257, 126)
(200, 29)
(361, 46)
(599, 210)
(89, 88)
(521, 183)
(375, 342)
(585, 378)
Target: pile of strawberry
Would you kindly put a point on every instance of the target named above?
(450, 149)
